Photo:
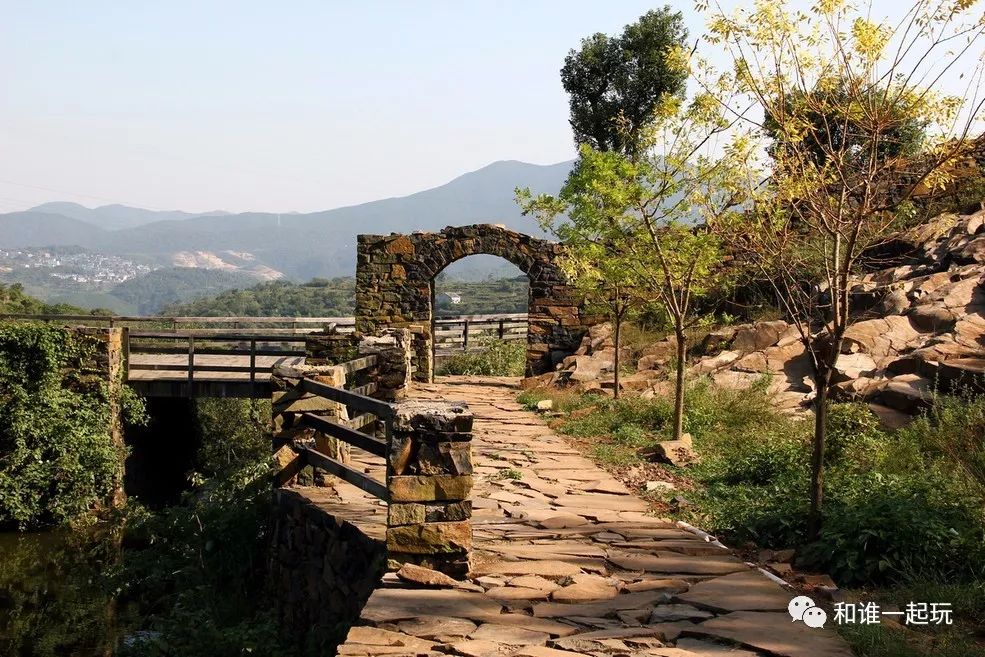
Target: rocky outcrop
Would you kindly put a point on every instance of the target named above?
(919, 328)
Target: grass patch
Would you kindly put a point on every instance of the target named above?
(881, 641)
(496, 358)
(509, 473)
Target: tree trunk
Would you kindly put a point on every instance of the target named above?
(679, 385)
(615, 362)
(823, 383)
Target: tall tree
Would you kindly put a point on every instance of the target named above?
(838, 90)
(623, 77)
(644, 222)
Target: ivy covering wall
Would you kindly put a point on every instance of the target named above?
(58, 456)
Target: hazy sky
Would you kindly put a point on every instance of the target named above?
(285, 106)
(300, 105)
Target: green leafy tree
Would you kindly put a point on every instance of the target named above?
(903, 135)
(597, 257)
(623, 76)
(639, 228)
(839, 88)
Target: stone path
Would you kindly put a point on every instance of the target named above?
(567, 563)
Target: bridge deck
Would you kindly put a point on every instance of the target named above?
(171, 379)
(568, 562)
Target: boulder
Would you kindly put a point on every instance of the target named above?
(758, 336)
(883, 339)
(855, 389)
(853, 366)
(962, 374)
(541, 381)
(890, 418)
(640, 380)
(909, 393)
(717, 340)
(676, 452)
(927, 318)
(657, 354)
(716, 362)
(895, 302)
(587, 368)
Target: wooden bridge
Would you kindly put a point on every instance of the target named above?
(233, 356)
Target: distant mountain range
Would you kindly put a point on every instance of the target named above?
(300, 246)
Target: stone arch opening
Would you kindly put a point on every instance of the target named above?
(395, 282)
(475, 303)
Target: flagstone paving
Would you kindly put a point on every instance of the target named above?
(567, 562)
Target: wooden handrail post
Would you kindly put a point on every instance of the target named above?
(502, 330)
(465, 336)
(191, 365)
(253, 361)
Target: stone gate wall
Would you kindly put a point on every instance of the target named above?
(395, 288)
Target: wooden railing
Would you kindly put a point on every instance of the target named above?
(426, 446)
(451, 334)
(454, 334)
(237, 347)
(370, 412)
(200, 325)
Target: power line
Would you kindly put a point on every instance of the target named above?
(89, 196)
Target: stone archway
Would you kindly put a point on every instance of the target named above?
(395, 284)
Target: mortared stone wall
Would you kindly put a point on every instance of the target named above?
(395, 288)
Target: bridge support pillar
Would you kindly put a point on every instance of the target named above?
(107, 366)
(429, 477)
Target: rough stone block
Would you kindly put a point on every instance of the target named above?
(433, 488)
(415, 514)
(433, 416)
(444, 458)
(406, 514)
(430, 538)
(448, 512)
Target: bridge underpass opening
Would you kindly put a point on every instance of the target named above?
(479, 304)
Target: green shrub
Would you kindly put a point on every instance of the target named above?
(953, 428)
(496, 358)
(234, 433)
(198, 578)
(57, 457)
(853, 433)
(881, 527)
(757, 463)
(565, 401)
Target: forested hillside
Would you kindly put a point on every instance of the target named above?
(13, 300)
(319, 297)
(162, 287)
(335, 297)
(505, 295)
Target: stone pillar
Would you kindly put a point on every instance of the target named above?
(392, 348)
(107, 366)
(429, 477)
(329, 347)
(288, 405)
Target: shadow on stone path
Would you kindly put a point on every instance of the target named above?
(566, 563)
